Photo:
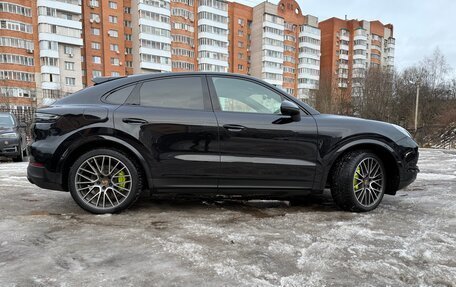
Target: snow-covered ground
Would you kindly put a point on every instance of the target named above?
(46, 240)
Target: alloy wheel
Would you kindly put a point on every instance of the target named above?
(368, 182)
(103, 181)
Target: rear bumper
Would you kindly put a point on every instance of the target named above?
(43, 178)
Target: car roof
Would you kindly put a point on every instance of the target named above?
(104, 85)
(147, 76)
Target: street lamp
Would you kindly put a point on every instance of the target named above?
(417, 83)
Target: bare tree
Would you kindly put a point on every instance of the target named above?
(376, 100)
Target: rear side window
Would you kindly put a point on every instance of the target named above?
(182, 93)
(120, 96)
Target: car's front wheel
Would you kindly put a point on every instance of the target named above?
(20, 156)
(105, 181)
(358, 181)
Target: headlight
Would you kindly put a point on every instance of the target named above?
(402, 130)
(9, 136)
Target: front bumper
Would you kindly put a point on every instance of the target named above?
(43, 178)
(9, 147)
(409, 162)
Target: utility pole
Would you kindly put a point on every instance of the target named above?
(416, 105)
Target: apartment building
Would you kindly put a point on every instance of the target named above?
(278, 44)
(17, 57)
(349, 48)
(49, 48)
(105, 47)
(60, 42)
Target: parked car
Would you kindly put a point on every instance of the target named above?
(211, 134)
(13, 143)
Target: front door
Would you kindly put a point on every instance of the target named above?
(259, 147)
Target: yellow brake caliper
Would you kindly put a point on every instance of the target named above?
(356, 182)
(121, 179)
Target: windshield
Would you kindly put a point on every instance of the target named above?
(6, 121)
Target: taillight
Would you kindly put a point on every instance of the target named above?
(45, 118)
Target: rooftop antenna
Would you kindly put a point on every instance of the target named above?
(345, 17)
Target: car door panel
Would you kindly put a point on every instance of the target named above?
(262, 150)
(264, 154)
(182, 144)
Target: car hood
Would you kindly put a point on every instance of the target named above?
(4, 130)
(343, 126)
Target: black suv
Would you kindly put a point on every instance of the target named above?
(211, 134)
(13, 143)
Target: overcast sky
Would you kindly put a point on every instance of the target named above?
(419, 25)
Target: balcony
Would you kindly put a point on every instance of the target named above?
(343, 47)
(343, 57)
(343, 85)
(64, 5)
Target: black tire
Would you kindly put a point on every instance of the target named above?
(20, 156)
(135, 177)
(343, 188)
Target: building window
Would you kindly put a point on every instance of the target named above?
(128, 37)
(70, 81)
(127, 24)
(114, 47)
(112, 5)
(240, 44)
(68, 50)
(127, 10)
(240, 55)
(69, 66)
(240, 67)
(113, 33)
(95, 31)
(94, 3)
(115, 74)
(96, 46)
(115, 61)
(240, 33)
(112, 19)
(128, 51)
(96, 73)
(96, 60)
(241, 21)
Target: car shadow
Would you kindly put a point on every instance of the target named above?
(255, 207)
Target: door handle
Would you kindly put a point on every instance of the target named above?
(134, 121)
(234, 128)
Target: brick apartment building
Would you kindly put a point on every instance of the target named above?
(18, 56)
(63, 44)
(349, 48)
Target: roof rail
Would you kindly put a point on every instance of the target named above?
(101, 80)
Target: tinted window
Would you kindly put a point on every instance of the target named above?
(6, 121)
(184, 93)
(237, 95)
(120, 96)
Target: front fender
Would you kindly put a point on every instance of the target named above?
(327, 160)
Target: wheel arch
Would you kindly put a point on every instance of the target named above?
(103, 141)
(379, 148)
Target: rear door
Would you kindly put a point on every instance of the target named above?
(174, 120)
(261, 148)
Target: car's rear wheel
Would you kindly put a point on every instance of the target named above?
(105, 181)
(358, 181)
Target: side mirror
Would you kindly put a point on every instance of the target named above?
(22, 125)
(288, 108)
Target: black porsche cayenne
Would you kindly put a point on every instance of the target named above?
(211, 134)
